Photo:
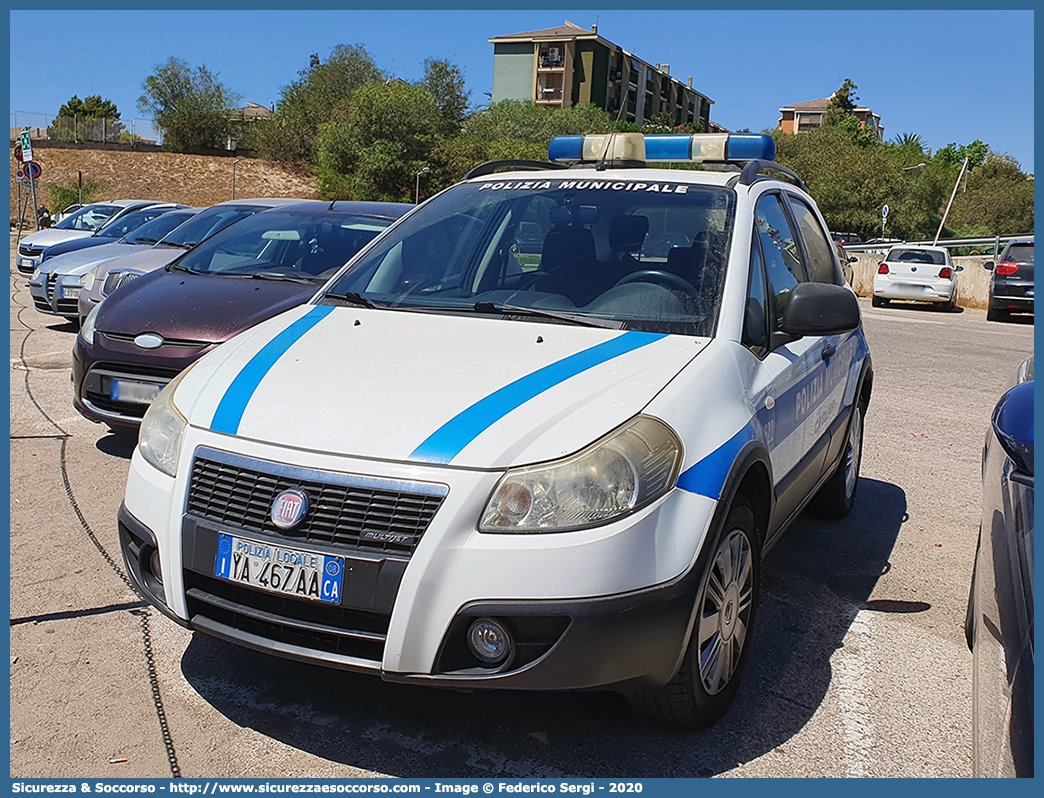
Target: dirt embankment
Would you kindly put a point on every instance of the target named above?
(198, 180)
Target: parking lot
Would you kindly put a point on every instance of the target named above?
(859, 666)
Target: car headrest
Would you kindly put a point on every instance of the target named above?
(627, 233)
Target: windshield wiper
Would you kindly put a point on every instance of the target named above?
(571, 318)
(279, 277)
(144, 241)
(180, 268)
(355, 298)
(172, 244)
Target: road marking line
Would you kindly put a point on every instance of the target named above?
(896, 318)
(853, 664)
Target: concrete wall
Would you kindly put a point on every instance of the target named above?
(973, 283)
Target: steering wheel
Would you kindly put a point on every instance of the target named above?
(665, 279)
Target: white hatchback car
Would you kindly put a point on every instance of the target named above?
(476, 464)
(918, 273)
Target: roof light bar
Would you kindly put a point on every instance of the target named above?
(718, 147)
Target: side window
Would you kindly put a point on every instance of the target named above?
(817, 247)
(781, 253)
(756, 317)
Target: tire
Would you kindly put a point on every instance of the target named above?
(837, 495)
(951, 306)
(992, 314)
(878, 302)
(724, 622)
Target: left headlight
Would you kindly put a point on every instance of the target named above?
(159, 439)
(624, 471)
(88, 279)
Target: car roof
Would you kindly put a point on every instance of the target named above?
(922, 247)
(1025, 240)
(267, 202)
(389, 209)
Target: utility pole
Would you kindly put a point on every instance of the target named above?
(948, 204)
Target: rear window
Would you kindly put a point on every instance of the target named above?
(901, 255)
(1019, 253)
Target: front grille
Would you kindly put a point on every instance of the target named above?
(42, 304)
(97, 388)
(176, 343)
(115, 279)
(69, 307)
(359, 516)
(309, 624)
(52, 280)
(29, 252)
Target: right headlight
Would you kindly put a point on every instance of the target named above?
(159, 439)
(624, 471)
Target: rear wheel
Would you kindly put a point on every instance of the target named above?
(836, 497)
(719, 645)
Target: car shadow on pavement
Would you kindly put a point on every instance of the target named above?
(815, 581)
(118, 444)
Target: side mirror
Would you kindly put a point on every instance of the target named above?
(988, 265)
(1013, 425)
(958, 268)
(853, 259)
(820, 309)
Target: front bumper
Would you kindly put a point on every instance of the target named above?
(56, 294)
(609, 607)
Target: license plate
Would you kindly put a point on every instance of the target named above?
(141, 393)
(276, 569)
(69, 293)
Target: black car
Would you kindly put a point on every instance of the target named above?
(1011, 287)
(999, 624)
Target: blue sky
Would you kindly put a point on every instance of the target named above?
(949, 76)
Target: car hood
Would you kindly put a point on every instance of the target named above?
(469, 391)
(83, 260)
(143, 260)
(195, 307)
(50, 237)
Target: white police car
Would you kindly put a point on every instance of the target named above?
(476, 464)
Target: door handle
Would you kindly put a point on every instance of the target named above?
(828, 350)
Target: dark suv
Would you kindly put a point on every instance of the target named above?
(1011, 288)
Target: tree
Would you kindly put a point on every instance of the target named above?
(842, 104)
(998, 200)
(445, 82)
(910, 142)
(951, 156)
(317, 97)
(523, 120)
(90, 119)
(190, 106)
(377, 143)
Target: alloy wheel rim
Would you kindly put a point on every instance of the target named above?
(852, 453)
(725, 609)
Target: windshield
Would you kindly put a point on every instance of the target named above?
(118, 228)
(916, 256)
(208, 222)
(152, 231)
(307, 245)
(633, 255)
(89, 218)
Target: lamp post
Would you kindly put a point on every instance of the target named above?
(234, 176)
(416, 195)
(948, 204)
(909, 168)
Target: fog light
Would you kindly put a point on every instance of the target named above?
(489, 641)
(154, 566)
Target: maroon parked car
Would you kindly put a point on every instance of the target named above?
(139, 338)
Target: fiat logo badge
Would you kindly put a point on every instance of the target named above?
(149, 341)
(289, 508)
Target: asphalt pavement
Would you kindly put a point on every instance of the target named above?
(859, 666)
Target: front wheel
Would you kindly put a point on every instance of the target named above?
(719, 644)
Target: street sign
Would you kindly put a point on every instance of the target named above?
(18, 152)
(31, 170)
(884, 212)
(27, 147)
